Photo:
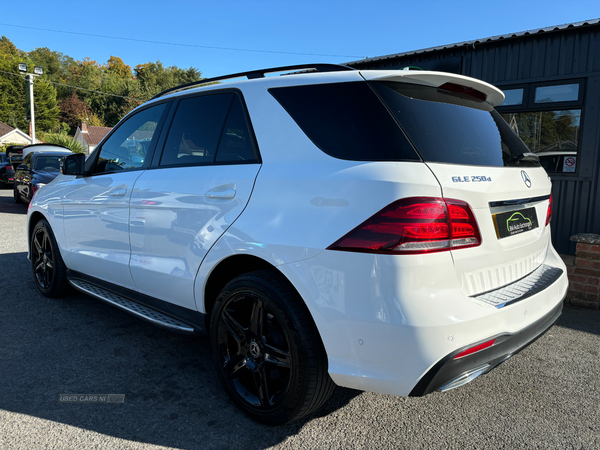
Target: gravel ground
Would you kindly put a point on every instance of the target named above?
(547, 396)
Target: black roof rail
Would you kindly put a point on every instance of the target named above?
(321, 67)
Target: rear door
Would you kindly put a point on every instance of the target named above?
(197, 187)
(478, 159)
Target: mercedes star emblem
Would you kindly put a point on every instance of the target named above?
(526, 178)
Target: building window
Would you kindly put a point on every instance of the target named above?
(552, 135)
(547, 118)
(513, 97)
(557, 94)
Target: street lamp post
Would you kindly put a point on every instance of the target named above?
(37, 71)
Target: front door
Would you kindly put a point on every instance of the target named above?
(96, 206)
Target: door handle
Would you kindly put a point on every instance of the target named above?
(221, 195)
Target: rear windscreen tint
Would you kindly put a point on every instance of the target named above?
(346, 121)
(447, 127)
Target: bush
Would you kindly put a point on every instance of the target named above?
(65, 141)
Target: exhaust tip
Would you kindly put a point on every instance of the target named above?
(465, 378)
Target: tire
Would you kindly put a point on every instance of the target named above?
(49, 270)
(16, 195)
(267, 351)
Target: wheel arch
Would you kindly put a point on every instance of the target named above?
(234, 266)
(225, 271)
(34, 218)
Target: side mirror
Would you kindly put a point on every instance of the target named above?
(23, 167)
(73, 164)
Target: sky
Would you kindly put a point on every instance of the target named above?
(230, 36)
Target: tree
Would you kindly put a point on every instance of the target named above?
(56, 68)
(154, 78)
(96, 80)
(91, 119)
(14, 87)
(8, 49)
(115, 65)
(72, 108)
(46, 107)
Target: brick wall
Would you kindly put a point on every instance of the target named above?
(584, 272)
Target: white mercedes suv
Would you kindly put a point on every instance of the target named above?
(379, 230)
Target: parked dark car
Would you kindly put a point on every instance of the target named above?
(14, 154)
(7, 174)
(39, 167)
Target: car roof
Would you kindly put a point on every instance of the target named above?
(44, 148)
(331, 73)
(54, 153)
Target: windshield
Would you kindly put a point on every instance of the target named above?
(50, 163)
(450, 127)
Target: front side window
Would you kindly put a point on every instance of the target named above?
(127, 148)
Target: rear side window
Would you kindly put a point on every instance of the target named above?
(209, 128)
(449, 127)
(346, 121)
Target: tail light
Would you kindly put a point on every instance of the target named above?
(414, 225)
(549, 213)
(464, 91)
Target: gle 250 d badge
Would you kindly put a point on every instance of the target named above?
(471, 179)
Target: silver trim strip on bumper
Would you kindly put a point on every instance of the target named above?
(535, 282)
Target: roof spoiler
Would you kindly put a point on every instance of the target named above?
(493, 95)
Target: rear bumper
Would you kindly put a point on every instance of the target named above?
(393, 325)
(449, 370)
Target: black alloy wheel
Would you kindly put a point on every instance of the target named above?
(49, 270)
(269, 356)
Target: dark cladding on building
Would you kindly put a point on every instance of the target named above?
(551, 79)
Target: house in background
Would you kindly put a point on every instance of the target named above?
(89, 136)
(10, 135)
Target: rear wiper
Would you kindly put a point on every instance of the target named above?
(527, 157)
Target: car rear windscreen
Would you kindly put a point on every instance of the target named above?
(350, 121)
(452, 127)
(48, 163)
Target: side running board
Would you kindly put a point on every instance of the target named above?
(137, 309)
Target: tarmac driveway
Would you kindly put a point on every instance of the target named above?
(548, 396)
